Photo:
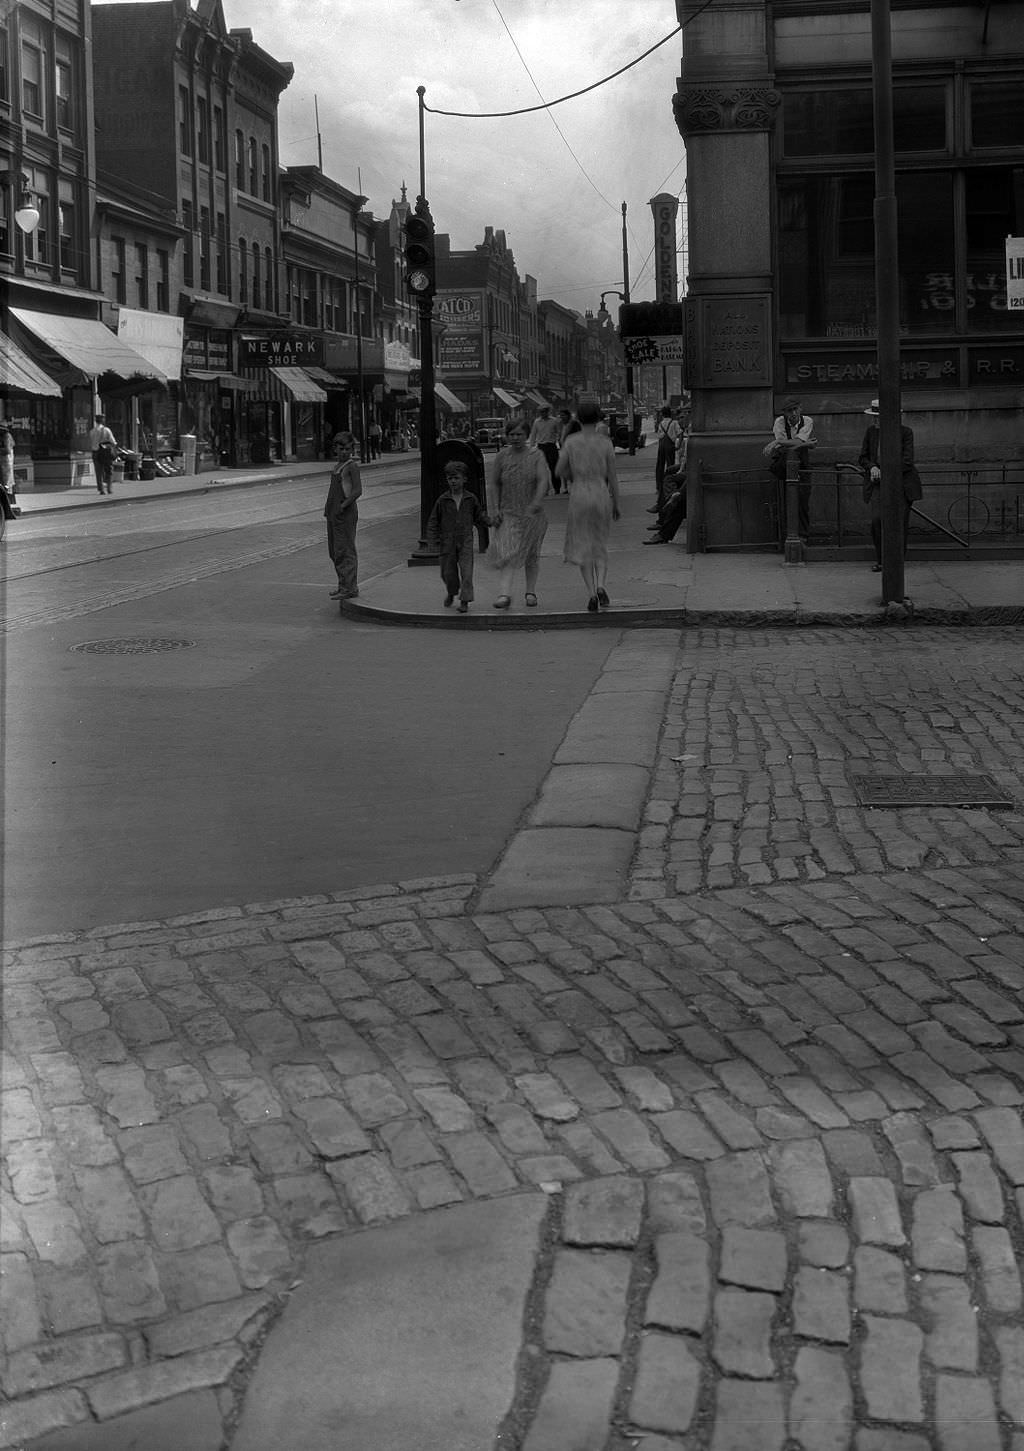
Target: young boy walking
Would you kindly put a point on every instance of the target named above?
(450, 530)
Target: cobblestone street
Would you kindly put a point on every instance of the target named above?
(772, 1095)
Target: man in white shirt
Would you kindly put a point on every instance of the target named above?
(795, 432)
(103, 446)
(544, 435)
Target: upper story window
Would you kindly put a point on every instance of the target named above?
(840, 121)
(203, 130)
(253, 166)
(204, 248)
(220, 138)
(64, 84)
(188, 264)
(142, 275)
(997, 116)
(255, 275)
(163, 281)
(243, 272)
(32, 93)
(266, 174)
(185, 128)
(5, 66)
(117, 265)
(222, 253)
(239, 161)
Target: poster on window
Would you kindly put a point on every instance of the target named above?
(1015, 274)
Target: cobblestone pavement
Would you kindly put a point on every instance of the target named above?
(774, 1094)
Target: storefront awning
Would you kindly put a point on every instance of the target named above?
(157, 336)
(509, 399)
(300, 385)
(87, 345)
(18, 372)
(325, 379)
(230, 381)
(449, 399)
(535, 397)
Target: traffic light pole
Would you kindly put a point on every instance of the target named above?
(421, 280)
(630, 406)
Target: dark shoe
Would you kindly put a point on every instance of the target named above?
(463, 607)
(654, 510)
(592, 604)
(531, 599)
(448, 600)
(658, 540)
(602, 599)
(876, 569)
(337, 594)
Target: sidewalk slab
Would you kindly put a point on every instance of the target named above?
(401, 1337)
(554, 866)
(594, 795)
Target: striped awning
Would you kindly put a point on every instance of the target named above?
(449, 399)
(300, 385)
(18, 372)
(87, 346)
(325, 379)
(509, 399)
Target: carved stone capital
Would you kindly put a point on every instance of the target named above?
(724, 108)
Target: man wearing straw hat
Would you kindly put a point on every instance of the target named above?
(870, 465)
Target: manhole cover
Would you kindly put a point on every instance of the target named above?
(132, 646)
(921, 790)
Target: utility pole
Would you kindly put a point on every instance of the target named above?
(420, 278)
(630, 409)
(887, 304)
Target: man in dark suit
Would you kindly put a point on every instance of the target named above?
(869, 464)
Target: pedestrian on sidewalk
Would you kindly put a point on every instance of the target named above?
(450, 528)
(103, 446)
(544, 435)
(375, 435)
(793, 432)
(587, 464)
(667, 434)
(342, 514)
(869, 463)
(515, 506)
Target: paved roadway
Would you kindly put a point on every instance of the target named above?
(281, 750)
(744, 1139)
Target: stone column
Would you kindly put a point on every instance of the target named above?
(725, 107)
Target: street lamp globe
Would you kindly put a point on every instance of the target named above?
(27, 215)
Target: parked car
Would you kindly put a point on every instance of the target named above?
(489, 432)
(620, 430)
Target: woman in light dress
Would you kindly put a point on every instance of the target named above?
(515, 492)
(587, 465)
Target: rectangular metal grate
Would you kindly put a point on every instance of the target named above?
(920, 790)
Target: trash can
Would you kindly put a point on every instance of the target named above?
(147, 468)
(188, 449)
(117, 473)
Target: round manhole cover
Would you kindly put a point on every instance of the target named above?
(132, 646)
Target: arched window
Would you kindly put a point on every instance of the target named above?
(239, 161)
(253, 174)
(255, 275)
(243, 272)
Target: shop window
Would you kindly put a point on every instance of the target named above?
(840, 122)
(994, 208)
(163, 281)
(184, 121)
(926, 249)
(142, 275)
(997, 116)
(118, 281)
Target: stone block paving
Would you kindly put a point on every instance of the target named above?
(779, 1123)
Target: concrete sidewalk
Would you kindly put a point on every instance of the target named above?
(649, 585)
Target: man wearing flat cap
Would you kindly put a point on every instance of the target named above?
(794, 432)
(870, 466)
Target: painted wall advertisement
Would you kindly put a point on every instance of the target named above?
(460, 315)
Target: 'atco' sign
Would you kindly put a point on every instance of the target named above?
(666, 279)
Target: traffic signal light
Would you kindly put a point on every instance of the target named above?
(421, 274)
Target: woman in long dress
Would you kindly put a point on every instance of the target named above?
(515, 492)
(587, 465)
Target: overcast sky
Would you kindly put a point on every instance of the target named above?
(363, 60)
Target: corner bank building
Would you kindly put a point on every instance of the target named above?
(775, 107)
